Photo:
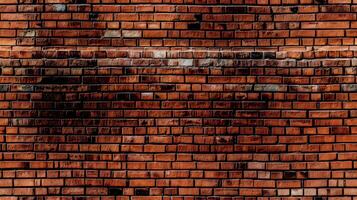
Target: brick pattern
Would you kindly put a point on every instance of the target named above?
(178, 23)
(178, 99)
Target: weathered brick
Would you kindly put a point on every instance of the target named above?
(270, 88)
(112, 33)
(131, 33)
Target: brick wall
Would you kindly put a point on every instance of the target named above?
(178, 99)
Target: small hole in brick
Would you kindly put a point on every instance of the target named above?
(241, 165)
(264, 26)
(321, 1)
(74, 54)
(239, 9)
(257, 55)
(93, 16)
(167, 87)
(194, 26)
(269, 55)
(115, 191)
(319, 198)
(123, 97)
(142, 192)
(92, 140)
(289, 175)
(80, 1)
(198, 17)
(294, 9)
(26, 165)
(304, 174)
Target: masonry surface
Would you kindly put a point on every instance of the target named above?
(178, 99)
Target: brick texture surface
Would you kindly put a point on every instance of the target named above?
(178, 99)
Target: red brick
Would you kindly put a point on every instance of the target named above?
(119, 99)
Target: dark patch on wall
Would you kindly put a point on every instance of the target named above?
(198, 17)
(294, 9)
(321, 1)
(115, 191)
(194, 26)
(93, 16)
(142, 191)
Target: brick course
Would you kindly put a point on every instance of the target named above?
(178, 99)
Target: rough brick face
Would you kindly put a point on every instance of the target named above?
(178, 99)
